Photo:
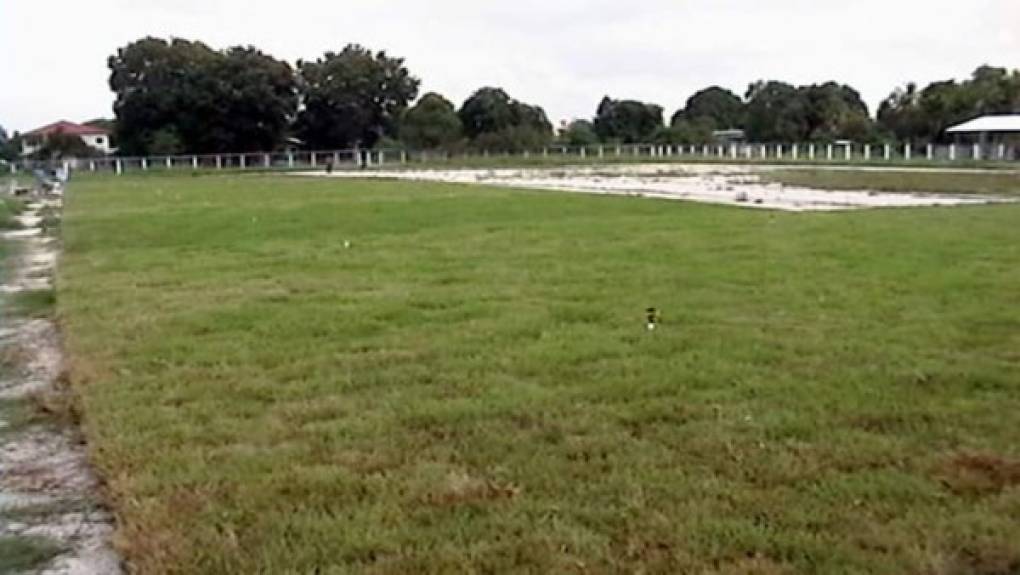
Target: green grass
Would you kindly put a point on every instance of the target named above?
(22, 554)
(31, 304)
(469, 387)
(1005, 184)
(9, 208)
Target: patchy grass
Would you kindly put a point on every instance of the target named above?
(32, 304)
(9, 208)
(468, 385)
(22, 554)
(985, 184)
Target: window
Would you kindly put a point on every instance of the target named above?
(99, 141)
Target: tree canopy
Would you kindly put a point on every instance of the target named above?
(722, 108)
(353, 98)
(494, 120)
(183, 96)
(627, 121)
(179, 95)
(431, 123)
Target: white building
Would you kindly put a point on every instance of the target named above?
(96, 138)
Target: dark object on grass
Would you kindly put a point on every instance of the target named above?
(329, 167)
(653, 317)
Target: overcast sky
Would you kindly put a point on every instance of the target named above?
(562, 54)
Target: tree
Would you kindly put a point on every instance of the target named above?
(776, 112)
(579, 133)
(353, 98)
(234, 100)
(835, 111)
(432, 123)
(627, 121)
(495, 121)
(723, 108)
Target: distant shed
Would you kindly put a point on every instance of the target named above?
(997, 136)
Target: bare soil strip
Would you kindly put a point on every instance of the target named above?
(707, 183)
(48, 494)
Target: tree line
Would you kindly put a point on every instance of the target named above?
(181, 96)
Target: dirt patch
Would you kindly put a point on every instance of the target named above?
(980, 474)
(48, 493)
(715, 184)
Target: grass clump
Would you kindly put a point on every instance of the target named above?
(293, 376)
(22, 554)
(9, 208)
(39, 303)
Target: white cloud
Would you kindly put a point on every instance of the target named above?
(564, 54)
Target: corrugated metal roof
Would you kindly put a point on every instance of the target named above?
(1006, 123)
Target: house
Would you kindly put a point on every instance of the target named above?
(94, 137)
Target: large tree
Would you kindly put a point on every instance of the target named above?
(181, 96)
(431, 123)
(495, 121)
(723, 108)
(355, 97)
(776, 112)
(834, 111)
(627, 121)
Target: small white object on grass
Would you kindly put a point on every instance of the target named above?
(347, 244)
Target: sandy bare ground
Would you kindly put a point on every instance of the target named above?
(708, 183)
(47, 490)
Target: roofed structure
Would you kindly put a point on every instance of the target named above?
(988, 125)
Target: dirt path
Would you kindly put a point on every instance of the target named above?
(51, 519)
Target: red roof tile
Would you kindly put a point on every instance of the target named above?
(68, 128)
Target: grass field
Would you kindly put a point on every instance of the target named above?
(294, 376)
(985, 184)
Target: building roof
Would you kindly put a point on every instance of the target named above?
(68, 128)
(1005, 123)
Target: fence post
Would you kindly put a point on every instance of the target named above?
(382, 158)
(828, 151)
(867, 152)
(219, 162)
(267, 161)
(119, 167)
(930, 152)
(145, 164)
(1002, 151)
(92, 165)
(977, 151)
(169, 162)
(887, 152)
(403, 156)
(952, 152)
(312, 159)
(779, 151)
(243, 161)
(194, 162)
(907, 152)
(795, 152)
(733, 151)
